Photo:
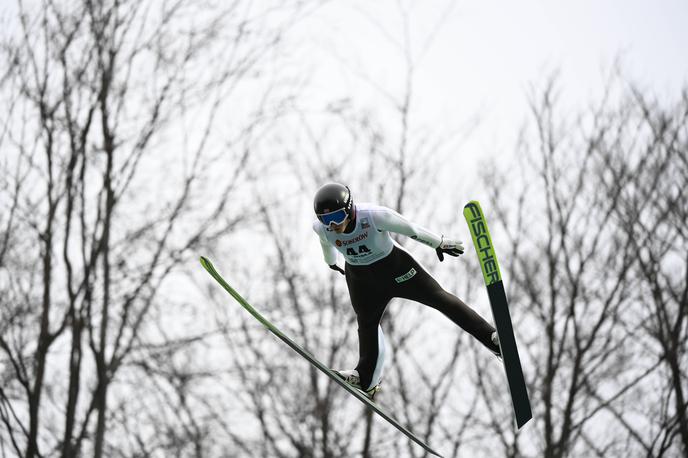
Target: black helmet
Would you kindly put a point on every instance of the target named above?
(333, 203)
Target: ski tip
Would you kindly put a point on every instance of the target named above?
(205, 261)
(472, 210)
(471, 205)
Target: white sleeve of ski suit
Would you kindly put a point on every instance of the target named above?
(389, 220)
(329, 252)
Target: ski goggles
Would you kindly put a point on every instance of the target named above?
(336, 217)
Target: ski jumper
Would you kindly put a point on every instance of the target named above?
(377, 270)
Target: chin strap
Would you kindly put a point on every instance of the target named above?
(352, 221)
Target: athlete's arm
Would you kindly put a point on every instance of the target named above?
(329, 252)
(388, 220)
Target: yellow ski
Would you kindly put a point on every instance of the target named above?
(500, 311)
(327, 371)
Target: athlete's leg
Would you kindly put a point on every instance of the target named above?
(459, 312)
(369, 304)
(371, 356)
(426, 290)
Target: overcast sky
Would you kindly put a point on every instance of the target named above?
(483, 55)
(478, 57)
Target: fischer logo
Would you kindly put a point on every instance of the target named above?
(483, 245)
(352, 241)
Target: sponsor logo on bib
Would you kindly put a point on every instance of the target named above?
(351, 241)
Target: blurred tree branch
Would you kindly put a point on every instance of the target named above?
(99, 94)
(589, 243)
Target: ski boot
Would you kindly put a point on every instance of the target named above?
(351, 377)
(495, 348)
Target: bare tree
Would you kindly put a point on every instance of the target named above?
(576, 262)
(99, 93)
(296, 410)
(650, 177)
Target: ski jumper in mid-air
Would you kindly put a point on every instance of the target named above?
(378, 270)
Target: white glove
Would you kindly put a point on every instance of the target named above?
(451, 247)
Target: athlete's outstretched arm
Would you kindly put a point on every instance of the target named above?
(389, 220)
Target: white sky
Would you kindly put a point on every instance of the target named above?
(485, 54)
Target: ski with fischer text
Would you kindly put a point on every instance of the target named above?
(500, 311)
